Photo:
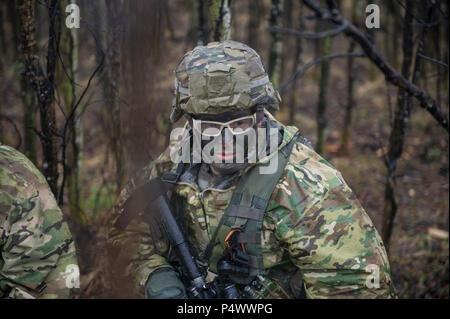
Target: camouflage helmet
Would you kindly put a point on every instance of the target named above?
(221, 77)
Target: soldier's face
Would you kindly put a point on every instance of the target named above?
(230, 130)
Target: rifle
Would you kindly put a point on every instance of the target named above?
(153, 197)
(199, 288)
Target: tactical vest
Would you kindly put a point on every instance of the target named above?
(245, 212)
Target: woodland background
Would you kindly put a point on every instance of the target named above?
(90, 106)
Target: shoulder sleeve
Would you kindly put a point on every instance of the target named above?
(38, 258)
(327, 233)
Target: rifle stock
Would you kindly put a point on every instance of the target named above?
(199, 288)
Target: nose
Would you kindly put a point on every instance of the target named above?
(227, 136)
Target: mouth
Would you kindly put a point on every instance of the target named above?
(228, 153)
(227, 156)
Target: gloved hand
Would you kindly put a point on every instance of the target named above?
(164, 283)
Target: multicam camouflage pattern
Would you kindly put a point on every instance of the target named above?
(38, 258)
(221, 77)
(313, 223)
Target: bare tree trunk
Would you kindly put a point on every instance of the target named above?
(202, 26)
(192, 36)
(29, 117)
(286, 21)
(2, 39)
(111, 87)
(395, 27)
(43, 84)
(220, 19)
(255, 8)
(403, 109)
(26, 91)
(446, 52)
(3, 53)
(67, 73)
(140, 55)
(297, 63)
(110, 27)
(373, 35)
(437, 55)
(322, 102)
(168, 20)
(418, 61)
(344, 148)
(276, 44)
(317, 49)
(214, 20)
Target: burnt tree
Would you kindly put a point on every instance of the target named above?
(43, 82)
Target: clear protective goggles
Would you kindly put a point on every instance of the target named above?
(237, 126)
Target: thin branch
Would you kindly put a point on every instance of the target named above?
(432, 60)
(308, 35)
(299, 72)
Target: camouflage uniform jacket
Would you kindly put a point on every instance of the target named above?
(36, 246)
(313, 222)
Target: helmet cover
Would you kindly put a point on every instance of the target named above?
(221, 77)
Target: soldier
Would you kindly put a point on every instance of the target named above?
(301, 229)
(37, 252)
